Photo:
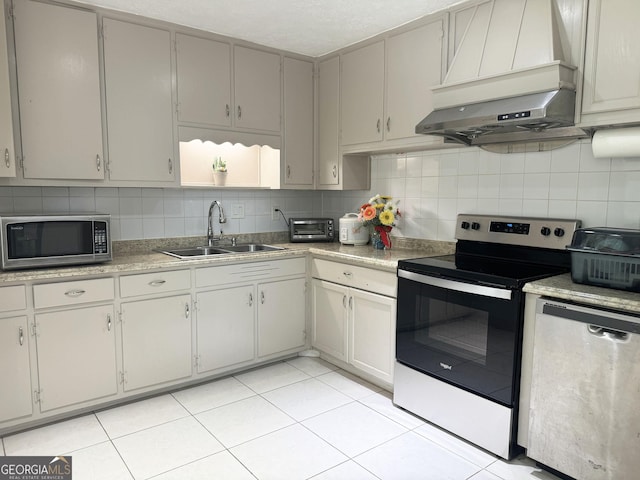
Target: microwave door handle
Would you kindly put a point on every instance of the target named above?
(472, 288)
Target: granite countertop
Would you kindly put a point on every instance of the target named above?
(562, 287)
(139, 256)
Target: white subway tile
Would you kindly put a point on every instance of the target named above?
(593, 186)
(174, 227)
(468, 186)
(510, 206)
(468, 162)
(429, 187)
(563, 186)
(592, 214)
(535, 208)
(488, 186)
(414, 166)
(448, 187)
(110, 205)
(623, 215)
(131, 228)
(55, 192)
(537, 162)
(624, 186)
(130, 207)
(511, 185)
(512, 163)
(566, 159)
(153, 227)
(82, 204)
(563, 208)
(536, 186)
(588, 163)
(55, 204)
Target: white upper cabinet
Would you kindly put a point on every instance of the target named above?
(298, 124)
(7, 153)
(257, 89)
(386, 88)
(362, 92)
(59, 91)
(138, 83)
(204, 81)
(328, 122)
(611, 90)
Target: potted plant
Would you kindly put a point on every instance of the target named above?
(219, 171)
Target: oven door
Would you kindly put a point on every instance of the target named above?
(467, 335)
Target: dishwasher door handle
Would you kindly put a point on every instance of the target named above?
(598, 322)
(475, 289)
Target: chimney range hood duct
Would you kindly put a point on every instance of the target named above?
(508, 83)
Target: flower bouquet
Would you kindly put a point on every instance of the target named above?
(380, 215)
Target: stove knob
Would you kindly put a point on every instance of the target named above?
(546, 231)
(464, 225)
(559, 232)
(475, 226)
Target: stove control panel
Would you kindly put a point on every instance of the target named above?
(533, 232)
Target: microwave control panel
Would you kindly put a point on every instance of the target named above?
(100, 243)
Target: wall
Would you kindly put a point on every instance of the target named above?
(139, 213)
(434, 186)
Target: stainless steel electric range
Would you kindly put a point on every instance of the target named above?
(460, 320)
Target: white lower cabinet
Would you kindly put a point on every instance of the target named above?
(76, 353)
(225, 327)
(354, 325)
(15, 378)
(156, 341)
(281, 316)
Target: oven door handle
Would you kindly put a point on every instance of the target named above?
(472, 288)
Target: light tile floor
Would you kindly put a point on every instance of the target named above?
(298, 419)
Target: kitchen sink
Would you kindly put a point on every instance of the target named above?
(184, 253)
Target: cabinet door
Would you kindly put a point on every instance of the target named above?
(372, 333)
(328, 121)
(329, 318)
(204, 80)
(76, 353)
(7, 153)
(281, 316)
(362, 90)
(156, 341)
(59, 91)
(15, 373)
(257, 89)
(137, 63)
(414, 63)
(225, 327)
(298, 123)
(612, 61)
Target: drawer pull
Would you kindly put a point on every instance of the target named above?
(21, 336)
(157, 283)
(109, 323)
(6, 158)
(250, 299)
(262, 297)
(75, 293)
(344, 301)
(351, 303)
(347, 274)
(187, 310)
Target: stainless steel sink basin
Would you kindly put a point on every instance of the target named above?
(251, 247)
(192, 252)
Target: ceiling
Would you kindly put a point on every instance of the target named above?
(308, 27)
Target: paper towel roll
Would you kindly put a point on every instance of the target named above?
(618, 142)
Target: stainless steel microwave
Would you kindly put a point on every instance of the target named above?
(311, 230)
(32, 241)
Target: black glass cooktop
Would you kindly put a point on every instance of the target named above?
(509, 273)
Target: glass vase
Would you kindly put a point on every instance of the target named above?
(376, 241)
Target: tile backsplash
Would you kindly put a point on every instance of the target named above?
(432, 186)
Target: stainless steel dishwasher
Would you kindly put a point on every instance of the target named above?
(585, 392)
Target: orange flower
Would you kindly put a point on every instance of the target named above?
(369, 213)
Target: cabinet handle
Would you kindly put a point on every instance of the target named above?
(227, 110)
(262, 297)
(350, 303)
(344, 301)
(98, 162)
(251, 299)
(187, 310)
(239, 112)
(170, 167)
(334, 170)
(108, 323)
(157, 283)
(378, 125)
(21, 336)
(388, 124)
(288, 171)
(347, 274)
(6, 158)
(75, 293)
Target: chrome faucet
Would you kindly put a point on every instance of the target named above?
(221, 219)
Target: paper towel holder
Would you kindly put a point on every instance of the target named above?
(616, 142)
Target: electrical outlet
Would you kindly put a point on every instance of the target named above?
(237, 210)
(275, 215)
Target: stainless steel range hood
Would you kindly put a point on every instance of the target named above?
(508, 83)
(535, 117)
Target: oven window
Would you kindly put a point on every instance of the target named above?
(469, 340)
(49, 239)
(315, 229)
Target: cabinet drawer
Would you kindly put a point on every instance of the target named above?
(159, 282)
(12, 298)
(377, 281)
(225, 274)
(72, 293)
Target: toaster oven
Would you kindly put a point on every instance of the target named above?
(311, 230)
